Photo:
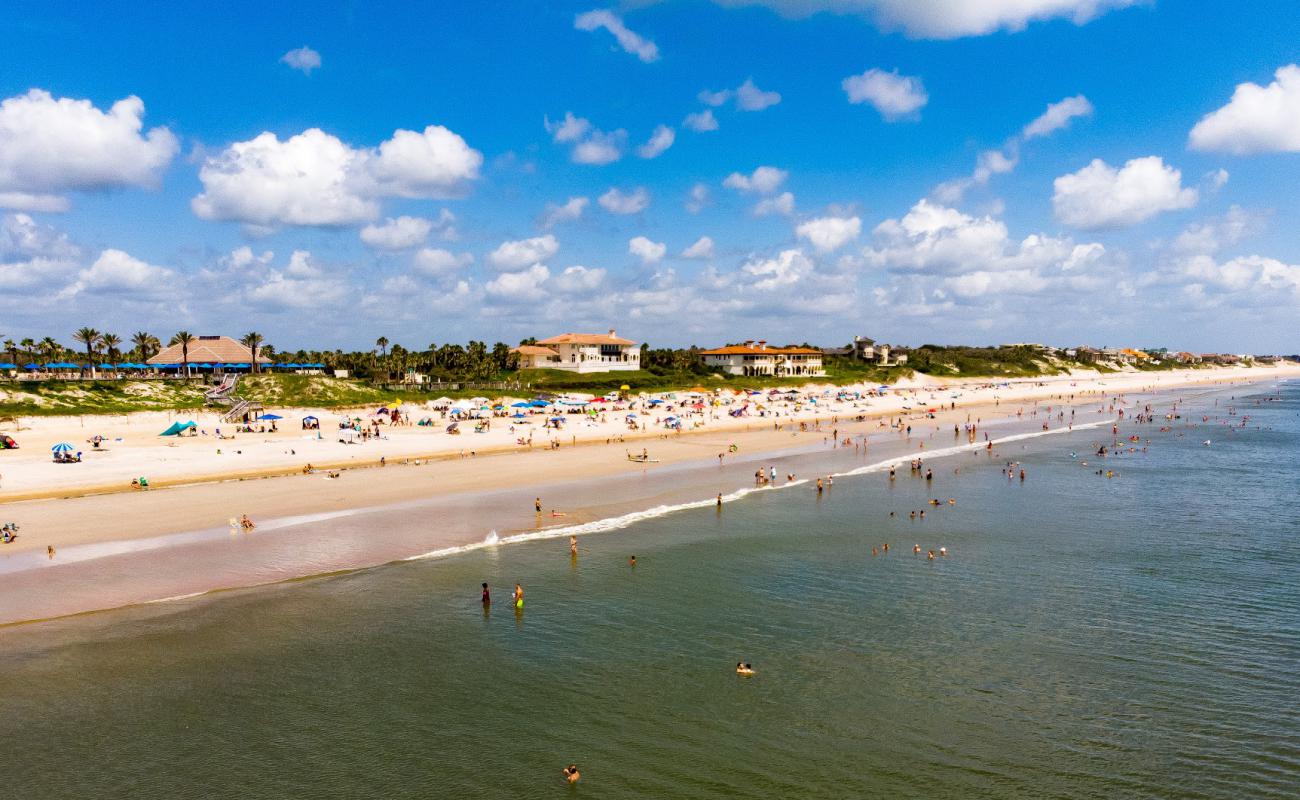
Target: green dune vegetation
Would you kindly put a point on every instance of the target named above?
(391, 372)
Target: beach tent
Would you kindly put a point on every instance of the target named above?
(177, 427)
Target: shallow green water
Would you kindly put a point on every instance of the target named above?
(1131, 637)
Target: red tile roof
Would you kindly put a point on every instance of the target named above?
(586, 338)
(753, 349)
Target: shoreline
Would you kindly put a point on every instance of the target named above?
(149, 458)
(137, 576)
(177, 559)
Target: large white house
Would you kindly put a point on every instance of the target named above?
(581, 352)
(758, 358)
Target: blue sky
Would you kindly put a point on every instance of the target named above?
(330, 174)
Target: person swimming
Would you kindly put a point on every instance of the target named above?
(916, 548)
(518, 597)
(571, 773)
(631, 562)
(573, 545)
(744, 668)
(487, 596)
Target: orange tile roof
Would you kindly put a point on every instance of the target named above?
(586, 338)
(533, 350)
(753, 349)
(210, 350)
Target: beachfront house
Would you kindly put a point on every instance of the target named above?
(758, 358)
(582, 353)
(209, 350)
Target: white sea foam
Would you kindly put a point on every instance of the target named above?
(627, 520)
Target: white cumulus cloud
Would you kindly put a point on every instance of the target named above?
(578, 280)
(1057, 116)
(314, 178)
(520, 286)
(1258, 119)
(829, 233)
(763, 180)
(118, 273)
(616, 201)
(522, 252)
(947, 19)
(436, 262)
(49, 146)
(590, 145)
(303, 59)
(630, 41)
(698, 198)
(1101, 196)
(782, 203)
(401, 233)
(747, 96)
(703, 248)
(555, 213)
(660, 140)
(649, 252)
(895, 96)
(751, 98)
(701, 121)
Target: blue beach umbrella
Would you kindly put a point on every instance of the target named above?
(7, 365)
(31, 366)
(62, 447)
(270, 416)
(106, 366)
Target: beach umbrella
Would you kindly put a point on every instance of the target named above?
(7, 365)
(517, 415)
(270, 416)
(521, 404)
(62, 447)
(106, 366)
(204, 365)
(31, 366)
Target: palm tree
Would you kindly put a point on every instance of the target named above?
(29, 347)
(89, 337)
(12, 347)
(145, 343)
(253, 341)
(50, 349)
(111, 342)
(183, 338)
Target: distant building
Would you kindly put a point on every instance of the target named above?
(1087, 355)
(884, 351)
(1185, 357)
(582, 352)
(208, 350)
(760, 359)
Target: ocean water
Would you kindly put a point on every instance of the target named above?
(1085, 637)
